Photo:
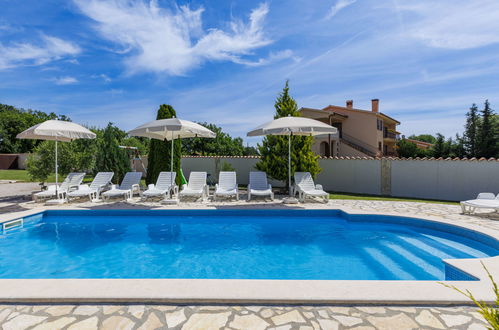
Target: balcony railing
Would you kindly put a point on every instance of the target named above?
(390, 135)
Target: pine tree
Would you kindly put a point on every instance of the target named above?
(274, 149)
(471, 131)
(110, 157)
(438, 149)
(457, 148)
(159, 151)
(487, 137)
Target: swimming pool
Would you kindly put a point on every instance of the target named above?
(236, 244)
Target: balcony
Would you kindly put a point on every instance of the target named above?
(390, 135)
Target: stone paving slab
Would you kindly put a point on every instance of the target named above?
(202, 317)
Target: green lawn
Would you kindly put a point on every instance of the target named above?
(22, 175)
(382, 198)
(18, 175)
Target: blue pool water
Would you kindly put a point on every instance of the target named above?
(238, 244)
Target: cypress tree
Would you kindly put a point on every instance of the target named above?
(471, 131)
(159, 151)
(274, 149)
(487, 138)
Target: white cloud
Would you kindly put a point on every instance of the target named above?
(65, 80)
(105, 77)
(452, 24)
(49, 49)
(339, 5)
(273, 57)
(102, 76)
(159, 40)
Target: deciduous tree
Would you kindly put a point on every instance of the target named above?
(109, 156)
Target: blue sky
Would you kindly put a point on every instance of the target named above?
(225, 61)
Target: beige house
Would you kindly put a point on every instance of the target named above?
(360, 132)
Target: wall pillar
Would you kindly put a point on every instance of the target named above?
(386, 177)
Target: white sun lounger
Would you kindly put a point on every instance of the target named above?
(72, 181)
(258, 185)
(128, 186)
(165, 185)
(196, 186)
(101, 180)
(482, 201)
(227, 185)
(305, 187)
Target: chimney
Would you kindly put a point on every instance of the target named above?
(349, 104)
(375, 105)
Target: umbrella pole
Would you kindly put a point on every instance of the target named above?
(171, 162)
(289, 165)
(56, 170)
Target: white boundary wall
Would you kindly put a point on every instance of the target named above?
(352, 175)
(429, 179)
(444, 179)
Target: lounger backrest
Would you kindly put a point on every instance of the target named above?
(258, 181)
(165, 180)
(130, 179)
(197, 180)
(304, 181)
(67, 180)
(486, 196)
(101, 179)
(227, 180)
(72, 180)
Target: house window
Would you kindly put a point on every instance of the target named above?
(379, 124)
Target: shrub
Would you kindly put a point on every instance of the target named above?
(489, 312)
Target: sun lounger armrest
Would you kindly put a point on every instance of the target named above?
(270, 186)
(318, 187)
(183, 187)
(83, 187)
(51, 187)
(206, 188)
(113, 187)
(216, 186)
(150, 186)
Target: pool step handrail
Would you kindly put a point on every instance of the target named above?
(12, 224)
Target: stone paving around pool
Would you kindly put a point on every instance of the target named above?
(149, 317)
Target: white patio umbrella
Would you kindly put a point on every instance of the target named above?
(293, 126)
(56, 130)
(171, 129)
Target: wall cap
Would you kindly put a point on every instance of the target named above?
(483, 159)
